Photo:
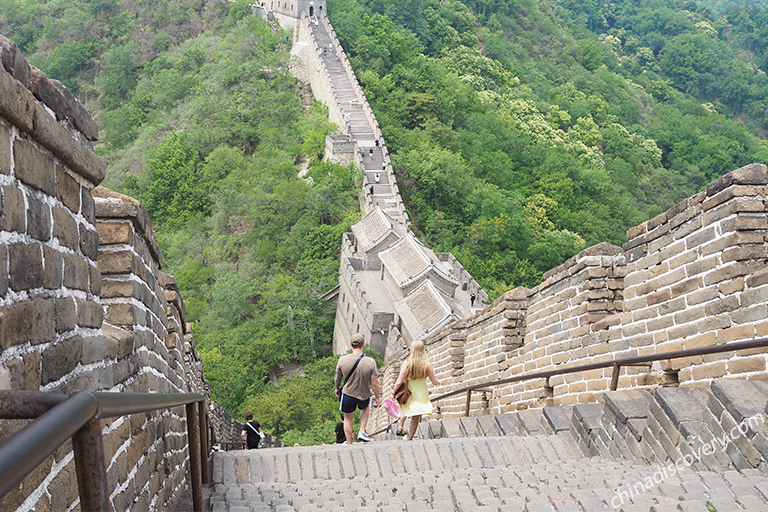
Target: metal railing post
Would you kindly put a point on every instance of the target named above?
(88, 449)
(615, 377)
(469, 398)
(23, 451)
(193, 437)
(203, 417)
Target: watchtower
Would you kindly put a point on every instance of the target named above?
(288, 12)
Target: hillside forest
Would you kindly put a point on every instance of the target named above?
(521, 132)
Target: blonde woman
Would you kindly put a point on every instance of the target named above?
(416, 369)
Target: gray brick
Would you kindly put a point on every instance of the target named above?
(89, 314)
(65, 228)
(67, 190)
(3, 271)
(38, 219)
(25, 266)
(76, 272)
(89, 242)
(13, 215)
(5, 149)
(61, 358)
(33, 167)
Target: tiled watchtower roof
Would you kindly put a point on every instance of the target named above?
(423, 310)
(373, 229)
(408, 261)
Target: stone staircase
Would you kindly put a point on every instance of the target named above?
(360, 129)
(584, 457)
(358, 124)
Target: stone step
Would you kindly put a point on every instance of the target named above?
(408, 481)
(742, 405)
(666, 426)
(380, 459)
(581, 457)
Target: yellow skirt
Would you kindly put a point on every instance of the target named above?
(418, 403)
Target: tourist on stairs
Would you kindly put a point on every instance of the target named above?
(414, 372)
(358, 373)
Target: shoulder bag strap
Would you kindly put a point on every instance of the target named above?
(346, 379)
(252, 427)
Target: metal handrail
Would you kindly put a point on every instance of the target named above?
(615, 363)
(57, 417)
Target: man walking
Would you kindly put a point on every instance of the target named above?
(358, 373)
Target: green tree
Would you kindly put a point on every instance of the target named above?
(173, 172)
(118, 74)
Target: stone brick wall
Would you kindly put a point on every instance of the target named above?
(83, 302)
(355, 308)
(340, 150)
(693, 276)
(312, 69)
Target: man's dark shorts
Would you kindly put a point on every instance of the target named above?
(350, 403)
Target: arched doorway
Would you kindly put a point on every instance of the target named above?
(311, 11)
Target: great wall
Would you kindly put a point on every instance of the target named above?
(87, 307)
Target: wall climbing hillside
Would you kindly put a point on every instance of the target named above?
(694, 276)
(84, 304)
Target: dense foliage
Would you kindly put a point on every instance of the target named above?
(524, 132)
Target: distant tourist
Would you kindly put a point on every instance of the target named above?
(355, 378)
(251, 433)
(376, 177)
(471, 299)
(414, 371)
(341, 438)
(371, 189)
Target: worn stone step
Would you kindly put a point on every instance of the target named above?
(559, 418)
(586, 421)
(740, 406)
(406, 483)
(379, 459)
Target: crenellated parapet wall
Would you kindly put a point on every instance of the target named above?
(694, 276)
(463, 276)
(84, 305)
(358, 90)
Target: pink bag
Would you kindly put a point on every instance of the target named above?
(391, 407)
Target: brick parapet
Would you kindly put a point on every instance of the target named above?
(50, 313)
(354, 305)
(57, 284)
(691, 277)
(461, 274)
(313, 70)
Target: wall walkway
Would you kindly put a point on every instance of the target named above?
(678, 449)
